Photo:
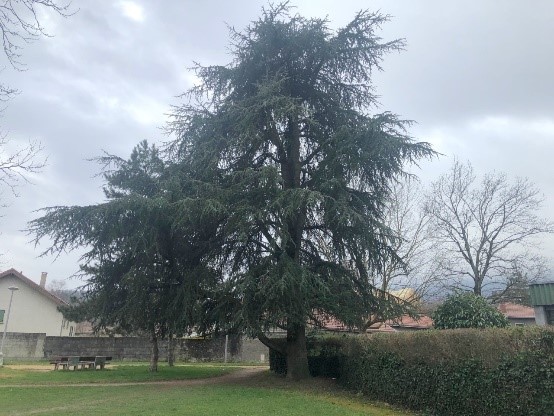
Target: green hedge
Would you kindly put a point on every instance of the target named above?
(456, 372)
(508, 372)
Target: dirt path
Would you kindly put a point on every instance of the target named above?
(233, 377)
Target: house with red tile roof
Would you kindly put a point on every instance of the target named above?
(517, 314)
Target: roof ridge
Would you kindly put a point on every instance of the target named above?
(32, 285)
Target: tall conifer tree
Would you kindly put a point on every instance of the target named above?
(284, 141)
(146, 243)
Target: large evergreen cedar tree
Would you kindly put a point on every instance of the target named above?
(144, 267)
(283, 139)
(277, 159)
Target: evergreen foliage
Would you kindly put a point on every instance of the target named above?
(144, 266)
(277, 159)
(466, 310)
(284, 136)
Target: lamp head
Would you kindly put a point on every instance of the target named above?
(13, 288)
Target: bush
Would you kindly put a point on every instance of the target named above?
(466, 310)
(457, 372)
(495, 371)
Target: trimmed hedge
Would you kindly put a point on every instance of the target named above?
(508, 371)
(456, 372)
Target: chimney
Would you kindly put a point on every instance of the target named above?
(43, 279)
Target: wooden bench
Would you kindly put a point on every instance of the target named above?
(80, 362)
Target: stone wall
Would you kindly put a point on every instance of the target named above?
(24, 346)
(132, 348)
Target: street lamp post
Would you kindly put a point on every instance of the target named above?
(12, 289)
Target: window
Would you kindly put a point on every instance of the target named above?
(2, 316)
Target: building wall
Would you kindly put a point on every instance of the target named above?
(522, 321)
(31, 311)
(540, 315)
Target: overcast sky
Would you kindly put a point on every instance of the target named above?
(476, 76)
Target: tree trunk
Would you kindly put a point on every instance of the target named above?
(477, 288)
(297, 353)
(170, 350)
(154, 354)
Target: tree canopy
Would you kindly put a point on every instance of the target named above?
(274, 189)
(144, 266)
(486, 230)
(285, 137)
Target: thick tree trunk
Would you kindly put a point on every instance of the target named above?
(297, 353)
(154, 355)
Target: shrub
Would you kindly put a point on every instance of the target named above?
(495, 371)
(508, 372)
(466, 310)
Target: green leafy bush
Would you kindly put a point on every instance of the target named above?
(462, 372)
(466, 310)
(508, 372)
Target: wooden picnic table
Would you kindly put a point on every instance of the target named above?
(80, 361)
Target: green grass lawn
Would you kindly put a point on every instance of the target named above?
(131, 373)
(263, 394)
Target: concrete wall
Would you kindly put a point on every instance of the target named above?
(31, 311)
(540, 315)
(38, 346)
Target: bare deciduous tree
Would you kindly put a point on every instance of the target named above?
(487, 229)
(14, 165)
(19, 24)
(415, 267)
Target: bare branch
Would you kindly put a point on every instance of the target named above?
(17, 165)
(486, 228)
(19, 23)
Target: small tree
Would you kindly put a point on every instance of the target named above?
(143, 268)
(415, 266)
(467, 310)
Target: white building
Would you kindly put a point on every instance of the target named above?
(34, 309)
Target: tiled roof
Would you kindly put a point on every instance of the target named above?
(32, 285)
(422, 322)
(513, 310)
